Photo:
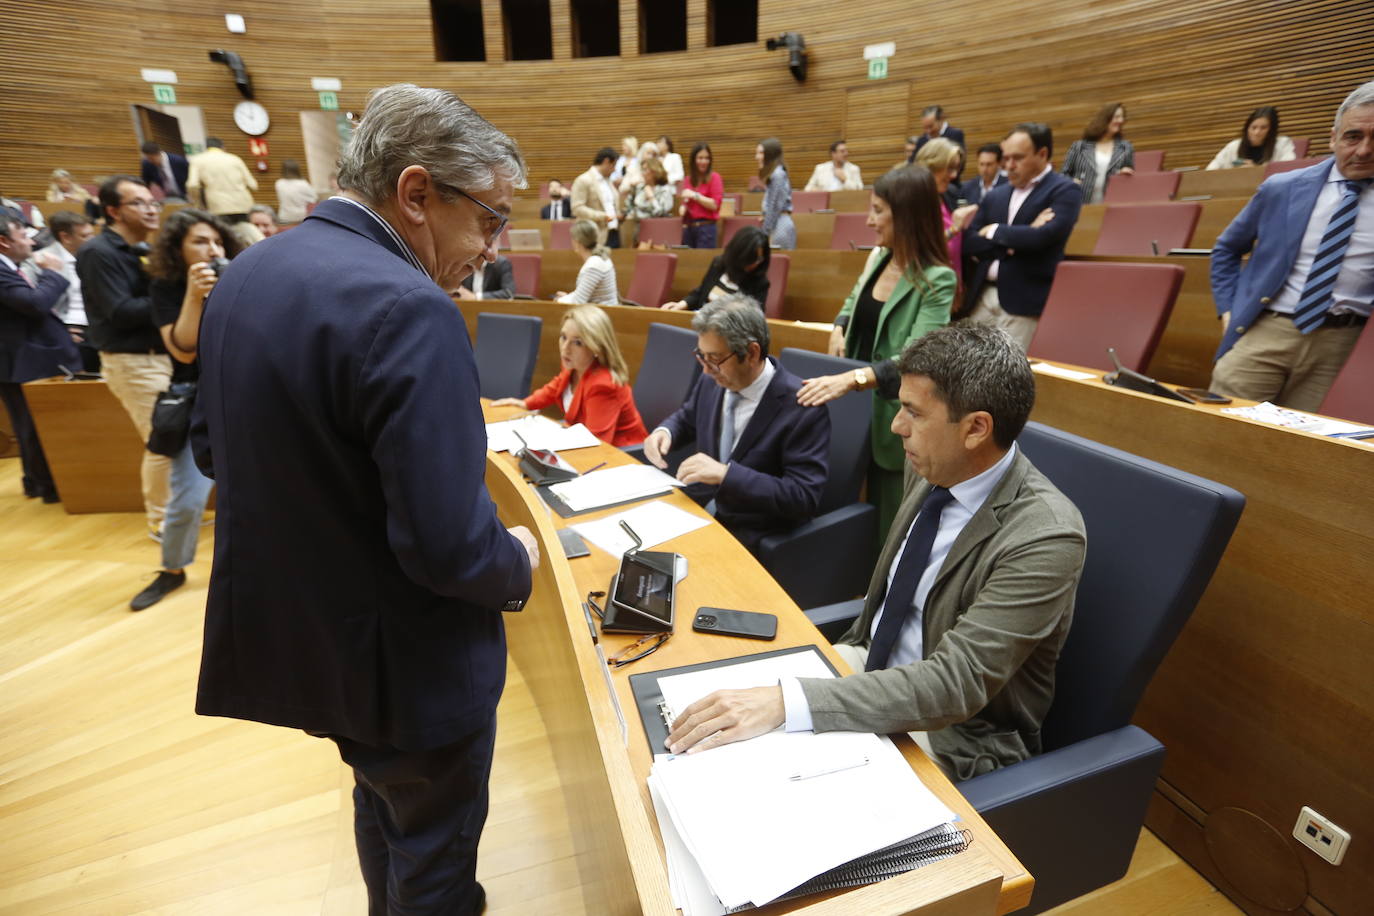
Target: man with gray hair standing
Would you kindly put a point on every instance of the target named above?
(1292, 313)
(360, 569)
(762, 459)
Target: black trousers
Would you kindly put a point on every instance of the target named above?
(417, 818)
(37, 478)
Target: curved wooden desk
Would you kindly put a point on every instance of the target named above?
(603, 775)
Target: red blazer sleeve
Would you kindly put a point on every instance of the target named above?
(598, 404)
(550, 393)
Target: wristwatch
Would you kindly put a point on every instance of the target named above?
(861, 378)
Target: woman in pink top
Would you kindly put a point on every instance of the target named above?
(702, 190)
(944, 161)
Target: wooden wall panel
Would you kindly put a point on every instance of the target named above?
(1188, 71)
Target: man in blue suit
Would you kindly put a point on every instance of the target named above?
(761, 457)
(1018, 235)
(33, 343)
(933, 124)
(360, 569)
(1294, 312)
(168, 171)
(989, 175)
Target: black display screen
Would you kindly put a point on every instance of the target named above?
(645, 589)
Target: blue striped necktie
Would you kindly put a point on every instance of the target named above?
(1321, 279)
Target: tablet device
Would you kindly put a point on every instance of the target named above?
(641, 596)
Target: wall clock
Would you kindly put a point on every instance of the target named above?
(251, 118)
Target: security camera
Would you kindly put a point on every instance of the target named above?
(796, 52)
(235, 64)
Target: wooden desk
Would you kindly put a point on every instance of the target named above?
(631, 330)
(619, 852)
(91, 445)
(1265, 702)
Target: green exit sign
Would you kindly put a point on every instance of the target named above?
(877, 68)
(329, 101)
(164, 94)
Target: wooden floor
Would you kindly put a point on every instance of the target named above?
(115, 798)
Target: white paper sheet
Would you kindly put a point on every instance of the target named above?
(682, 690)
(538, 432)
(691, 893)
(1294, 419)
(1061, 372)
(654, 522)
(613, 485)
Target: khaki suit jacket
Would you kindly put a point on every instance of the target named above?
(224, 181)
(820, 177)
(587, 203)
(993, 626)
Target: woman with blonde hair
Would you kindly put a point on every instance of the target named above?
(594, 384)
(596, 277)
(63, 187)
(944, 159)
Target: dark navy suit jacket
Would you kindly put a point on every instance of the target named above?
(779, 463)
(1029, 256)
(33, 341)
(360, 569)
(181, 169)
(1270, 229)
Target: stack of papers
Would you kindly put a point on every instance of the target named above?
(1293, 419)
(747, 823)
(612, 486)
(654, 522)
(1061, 372)
(538, 432)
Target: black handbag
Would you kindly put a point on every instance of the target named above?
(172, 419)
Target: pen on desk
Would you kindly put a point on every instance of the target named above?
(827, 770)
(597, 468)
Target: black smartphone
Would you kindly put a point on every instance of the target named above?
(735, 623)
(1203, 396)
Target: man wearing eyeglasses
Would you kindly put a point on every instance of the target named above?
(360, 570)
(114, 286)
(761, 458)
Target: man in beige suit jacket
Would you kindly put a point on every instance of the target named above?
(969, 658)
(222, 181)
(839, 174)
(595, 199)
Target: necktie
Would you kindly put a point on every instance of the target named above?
(727, 425)
(910, 567)
(27, 278)
(1321, 279)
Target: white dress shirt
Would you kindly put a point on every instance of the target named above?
(76, 306)
(968, 498)
(608, 203)
(1354, 288)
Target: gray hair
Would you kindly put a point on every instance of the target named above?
(738, 320)
(1364, 95)
(263, 208)
(405, 125)
(976, 368)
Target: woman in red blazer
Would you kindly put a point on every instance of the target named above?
(594, 384)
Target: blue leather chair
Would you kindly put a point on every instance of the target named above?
(666, 373)
(830, 557)
(1155, 535)
(506, 348)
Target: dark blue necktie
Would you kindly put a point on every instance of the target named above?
(1326, 265)
(910, 567)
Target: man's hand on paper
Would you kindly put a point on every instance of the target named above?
(726, 716)
(700, 468)
(656, 445)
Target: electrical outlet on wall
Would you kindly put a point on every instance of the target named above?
(1321, 836)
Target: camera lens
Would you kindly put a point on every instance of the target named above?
(706, 620)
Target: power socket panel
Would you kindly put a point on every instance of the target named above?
(1321, 836)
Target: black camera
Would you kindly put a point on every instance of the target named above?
(796, 52)
(218, 265)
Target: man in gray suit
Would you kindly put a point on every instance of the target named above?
(973, 593)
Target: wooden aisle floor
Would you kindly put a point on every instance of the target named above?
(115, 798)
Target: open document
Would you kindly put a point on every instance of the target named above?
(758, 820)
(538, 432)
(613, 486)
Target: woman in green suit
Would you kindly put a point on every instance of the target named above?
(905, 290)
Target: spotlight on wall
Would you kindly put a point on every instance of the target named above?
(235, 64)
(796, 52)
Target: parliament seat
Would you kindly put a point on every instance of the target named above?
(1352, 394)
(560, 235)
(851, 231)
(810, 201)
(653, 277)
(1146, 229)
(505, 351)
(525, 268)
(732, 224)
(1094, 305)
(1142, 187)
(661, 230)
(1274, 168)
(1149, 160)
(779, 266)
(1300, 145)
(1073, 813)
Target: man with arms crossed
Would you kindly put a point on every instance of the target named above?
(973, 592)
(360, 569)
(1292, 314)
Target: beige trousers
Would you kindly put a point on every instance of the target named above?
(857, 657)
(988, 312)
(136, 379)
(1274, 361)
